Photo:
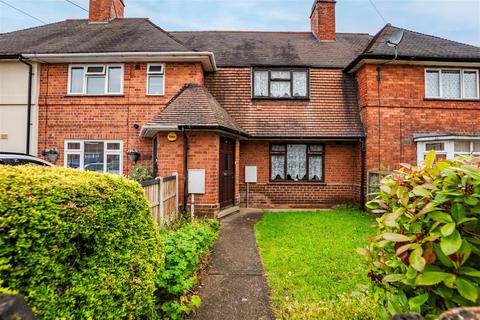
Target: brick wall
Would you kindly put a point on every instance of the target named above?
(403, 111)
(342, 179)
(106, 117)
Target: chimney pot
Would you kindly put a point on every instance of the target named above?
(105, 10)
(322, 20)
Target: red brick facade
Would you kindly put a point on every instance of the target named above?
(403, 111)
(63, 117)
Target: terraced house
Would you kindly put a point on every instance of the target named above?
(308, 115)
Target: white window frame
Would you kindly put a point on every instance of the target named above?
(462, 84)
(105, 73)
(156, 74)
(449, 143)
(81, 152)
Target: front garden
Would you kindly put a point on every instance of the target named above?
(83, 245)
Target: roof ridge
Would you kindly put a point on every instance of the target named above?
(37, 27)
(175, 96)
(375, 38)
(169, 35)
(215, 101)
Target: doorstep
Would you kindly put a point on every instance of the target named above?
(227, 211)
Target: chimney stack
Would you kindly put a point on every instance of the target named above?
(105, 10)
(322, 20)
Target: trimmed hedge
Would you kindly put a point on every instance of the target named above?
(78, 244)
(185, 247)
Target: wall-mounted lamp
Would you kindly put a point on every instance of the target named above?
(133, 155)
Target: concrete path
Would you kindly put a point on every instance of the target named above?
(235, 286)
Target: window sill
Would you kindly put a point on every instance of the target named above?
(296, 183)
(95, 95)
(155, 95)
(275, 99)
(453, 99)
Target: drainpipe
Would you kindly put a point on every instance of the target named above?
(185, 168)
(29, 101)
(363, 173)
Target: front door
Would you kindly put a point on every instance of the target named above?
(227, 172)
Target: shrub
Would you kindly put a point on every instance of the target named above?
(426, 255)
(185, 247)
(140, 173)
(77, 244)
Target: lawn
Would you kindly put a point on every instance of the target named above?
(311, 264)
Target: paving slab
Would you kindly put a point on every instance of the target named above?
(235, 286)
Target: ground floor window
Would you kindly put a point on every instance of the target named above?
(296, 162)
(447, 149)
(94, 155)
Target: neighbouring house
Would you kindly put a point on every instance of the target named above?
(309, 115)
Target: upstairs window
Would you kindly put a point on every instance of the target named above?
(95, 79)
(296, 162)
(155, 79)
(280, 84)
(451, 83)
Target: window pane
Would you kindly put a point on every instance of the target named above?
(93, 156)
(296, 161)
(113, 163)
(99, 69)
(462, 146)
(437, 146)
(277, 167)
(73, 161)
(113, 146)
(280, 89)
(114, 79)
(451, 84)
(315, 148)
(155, 84)
(260, 80)
(96, 85)
(278, 75)
(299, 84)
(278, 148)
(155, 69)
(315, 168)
(73, 145)
(76, 80)
(433, 84)
(470, 84)
(476, 146)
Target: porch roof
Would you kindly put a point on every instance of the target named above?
(193, 107)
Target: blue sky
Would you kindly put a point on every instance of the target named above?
(453, 19)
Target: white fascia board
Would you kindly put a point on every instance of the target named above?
(445, 138)
(206, 58)
(150, 130)
(416, 63)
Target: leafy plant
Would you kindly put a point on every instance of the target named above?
(78, 244)
(140, 173)
(426, 255)
(185, 246)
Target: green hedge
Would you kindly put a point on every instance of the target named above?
(185, 247)
(78, 244)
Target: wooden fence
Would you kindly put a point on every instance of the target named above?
(162, 194)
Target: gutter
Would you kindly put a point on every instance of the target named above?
(361, 57)
(185, 169)
(29, 101)
(363, 173)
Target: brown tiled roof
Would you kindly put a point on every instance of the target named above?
(331, 112)
(194, 107)
(417, 46)
(82, 36)
(247, 48)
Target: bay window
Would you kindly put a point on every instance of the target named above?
(448, 149)
(280, 84)
(95, 155)
(296, 162)
(451, 83)
(95, 79)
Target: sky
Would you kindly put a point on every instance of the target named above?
(457, 20)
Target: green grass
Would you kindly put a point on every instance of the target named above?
(311, 263)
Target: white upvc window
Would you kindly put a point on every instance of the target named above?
(448, 149)
(95, 79)
(94, 155)
(156, 79)
(451, 83)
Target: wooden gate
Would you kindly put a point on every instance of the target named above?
(162, 195)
